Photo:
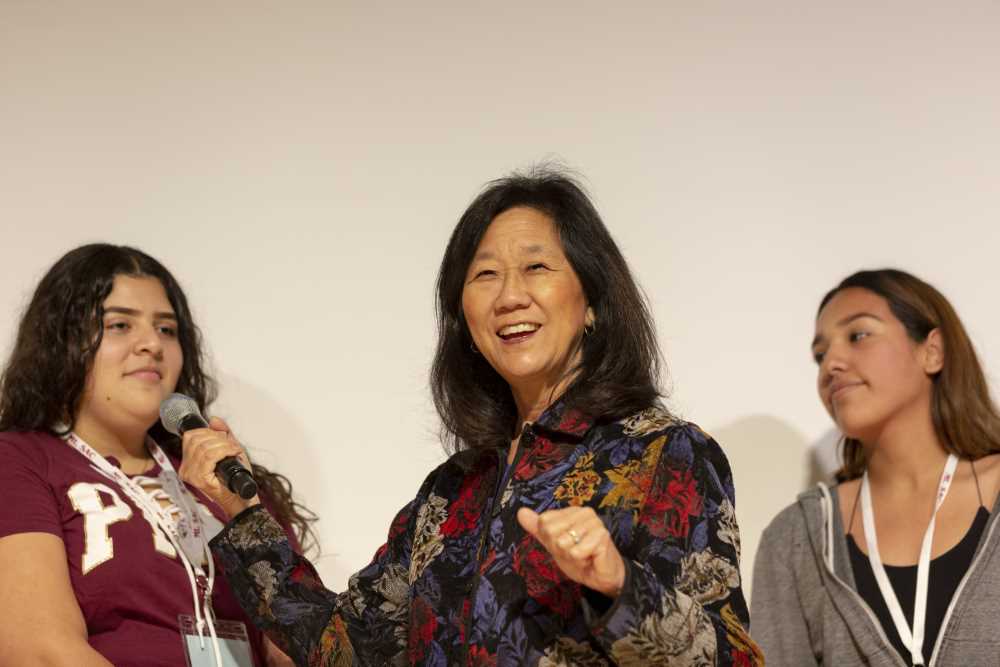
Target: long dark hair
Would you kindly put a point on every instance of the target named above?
(964, 415)
(59, 334)
(620, 362)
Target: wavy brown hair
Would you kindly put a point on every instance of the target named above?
(619, 368)
(965, 417)
(59, 334)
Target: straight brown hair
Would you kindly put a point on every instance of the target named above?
(965, 417)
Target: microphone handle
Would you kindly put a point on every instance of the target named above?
(191, 421)
(236, 478)
(229, 470)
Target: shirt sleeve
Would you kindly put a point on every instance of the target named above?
(282, 593)
(682, 602)
(27, 501)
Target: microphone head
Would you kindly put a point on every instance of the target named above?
(174, 409)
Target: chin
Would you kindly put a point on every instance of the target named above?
(857, 429)
(146, 413)
(518, 371)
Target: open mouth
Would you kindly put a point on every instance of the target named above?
(518, 332)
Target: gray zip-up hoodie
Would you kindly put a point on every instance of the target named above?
(806, 610)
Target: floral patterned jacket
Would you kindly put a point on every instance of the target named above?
(459, 582)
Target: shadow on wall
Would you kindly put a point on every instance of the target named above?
(277, 440)
(771, 464)
(825, 457)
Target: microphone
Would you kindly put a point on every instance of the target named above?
(180, 413)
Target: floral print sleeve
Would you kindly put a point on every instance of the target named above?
(682, 603)
(283, 595)
(459, 581)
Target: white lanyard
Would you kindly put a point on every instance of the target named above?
(913, 640)
(184, 533)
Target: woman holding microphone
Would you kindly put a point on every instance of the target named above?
(103, 552)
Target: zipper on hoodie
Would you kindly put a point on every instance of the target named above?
(506, 476)
(871, 617)
(857, 596)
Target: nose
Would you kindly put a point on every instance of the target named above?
(834, 362)
(147, 341)
(513, 293)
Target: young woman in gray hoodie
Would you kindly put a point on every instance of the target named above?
(898, 564)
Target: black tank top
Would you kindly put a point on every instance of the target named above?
(946, 572)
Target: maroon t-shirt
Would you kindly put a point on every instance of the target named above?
(129, 583)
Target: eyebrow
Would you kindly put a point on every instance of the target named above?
(536, 249)
(163, 315)
(845, 321)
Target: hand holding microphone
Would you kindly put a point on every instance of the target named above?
(212, 457)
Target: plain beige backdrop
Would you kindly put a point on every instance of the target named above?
(299, 166)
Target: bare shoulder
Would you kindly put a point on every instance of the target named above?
(988, 471)
(988, 465)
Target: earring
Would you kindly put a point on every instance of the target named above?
(589, 322)
(472, 346)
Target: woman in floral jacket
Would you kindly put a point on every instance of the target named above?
(577, 522)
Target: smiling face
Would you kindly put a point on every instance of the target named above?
(871, 373)
(524, 304)
(138, 361)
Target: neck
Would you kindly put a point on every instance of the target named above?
(534, 395)
(532, 399)
(906, 459)
(126, 445)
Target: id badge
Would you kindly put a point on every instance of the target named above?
(200, 651)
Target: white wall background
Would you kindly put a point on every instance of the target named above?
(299, 165)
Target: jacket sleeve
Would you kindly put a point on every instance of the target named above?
(682, 603)
(281, 592)
(779, 621)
